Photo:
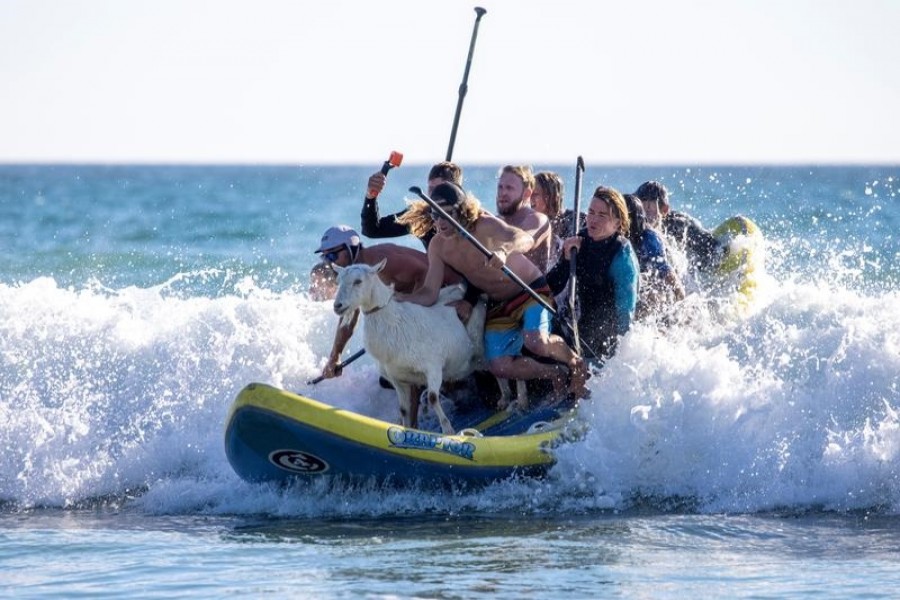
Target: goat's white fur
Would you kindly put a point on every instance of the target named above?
(413, 344)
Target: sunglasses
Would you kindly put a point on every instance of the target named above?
(435, 215)
(332, 255)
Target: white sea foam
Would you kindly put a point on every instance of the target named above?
(124, 393)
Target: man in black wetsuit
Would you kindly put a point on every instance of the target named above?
(414, 220)
(376, 227)
(703, 250)
(607, 282)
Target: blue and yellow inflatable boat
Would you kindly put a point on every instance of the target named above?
(278, 436)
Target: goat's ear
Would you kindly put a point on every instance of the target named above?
(337, 268)
(380, 265)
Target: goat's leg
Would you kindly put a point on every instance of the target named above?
(521, 395)
(414, 398)
(434, 401)
(404, 400)
(505, 401)
(505, 393)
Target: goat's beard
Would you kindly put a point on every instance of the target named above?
(346, 318)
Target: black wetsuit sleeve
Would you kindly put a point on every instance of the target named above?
(374, 226)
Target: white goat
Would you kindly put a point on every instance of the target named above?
(413, 344)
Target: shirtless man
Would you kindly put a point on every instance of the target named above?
(514, 188)
(405, 269)
(515, 319)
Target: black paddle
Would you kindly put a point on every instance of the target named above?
(464, 86)
(474, 241)
(573, 255)
(396, 158)
(434, 205)
(343, 364)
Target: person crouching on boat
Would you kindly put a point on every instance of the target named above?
(405, 270)
(606, 273)
(514, 318)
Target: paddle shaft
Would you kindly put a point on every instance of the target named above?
(474, 241)
(343, 364)
(579, 173)
(464, 86)
(573, 255)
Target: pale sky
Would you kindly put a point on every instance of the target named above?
(339, 81)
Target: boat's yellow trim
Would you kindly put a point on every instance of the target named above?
(501, 451)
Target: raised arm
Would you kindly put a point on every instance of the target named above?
(372, 225)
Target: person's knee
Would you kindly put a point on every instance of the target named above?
(500, 365)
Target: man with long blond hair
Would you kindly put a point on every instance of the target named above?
(515, 319)
(396, 225)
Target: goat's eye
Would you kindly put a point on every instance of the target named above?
(357, 282)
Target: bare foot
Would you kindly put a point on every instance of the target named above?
(559, 381)
(578, 376)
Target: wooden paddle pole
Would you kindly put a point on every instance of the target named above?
(573, 256)
(464, 86)
(474, 241)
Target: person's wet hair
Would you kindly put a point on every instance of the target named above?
(447, 171)
(636, 215)
(653, 191)
(613, 198)
(552, 187)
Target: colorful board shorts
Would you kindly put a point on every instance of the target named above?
(507, 321)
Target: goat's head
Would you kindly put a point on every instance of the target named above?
(357, 285)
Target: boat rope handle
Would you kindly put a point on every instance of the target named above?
(538, 426)
(469, 432)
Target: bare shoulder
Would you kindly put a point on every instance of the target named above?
(488, 225)
(388, 250)
(532, 220)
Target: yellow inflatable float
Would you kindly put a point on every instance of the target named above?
(743, 257)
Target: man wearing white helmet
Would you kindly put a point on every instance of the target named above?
(405, 269)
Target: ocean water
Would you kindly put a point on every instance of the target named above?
(753, 454)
